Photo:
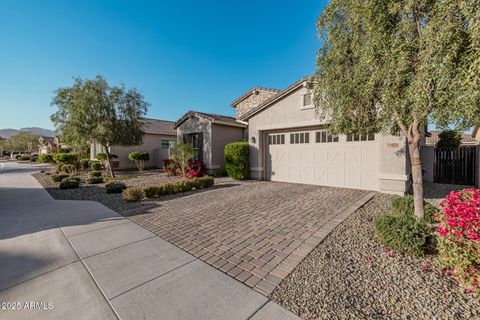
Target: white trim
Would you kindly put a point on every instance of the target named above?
(309, 123)
(258, 169)
(398, 177)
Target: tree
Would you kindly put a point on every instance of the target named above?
(181, 154)
(23, 141)
(139, 158)
(388, 66)
(94, 111)
(449, 139)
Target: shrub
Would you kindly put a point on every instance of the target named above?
(458, 236)
(102, 156)
(181, 154)
(236, 160)
(96, 165)
(69, 183)
(65, 158)
(194, 168)
(132, 194)
(46, 158)
(403, 233)
(139, 158)
(94, 180)
(84, 163)
(115, 187)
(24, 158)
(94, 174)
(405, 205)
(449, 140)
(59, 177)
(67, 168)
(177, 187)
(33, 159)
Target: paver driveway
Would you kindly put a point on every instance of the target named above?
(256, 232)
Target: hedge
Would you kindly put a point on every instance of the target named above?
(95, 165)
(46, 158)
(115, 187)
(405, 205)
(65, 158)
(177, 187)
(102, 156)
(132, 194)
(236, 160)
(59, 177)
(70, 183)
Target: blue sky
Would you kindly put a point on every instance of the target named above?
(188, 55)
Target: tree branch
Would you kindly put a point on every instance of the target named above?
(416, 17)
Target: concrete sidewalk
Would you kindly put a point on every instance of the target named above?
(81, 260)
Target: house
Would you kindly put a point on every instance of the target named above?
(208, 134)
(288, 143)
(49, 144)
(431, 138)
(159, 136)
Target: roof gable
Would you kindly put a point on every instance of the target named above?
(214, 118)
(250, 92)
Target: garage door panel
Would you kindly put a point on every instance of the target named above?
(339, 164)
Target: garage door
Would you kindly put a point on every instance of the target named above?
(316, 157)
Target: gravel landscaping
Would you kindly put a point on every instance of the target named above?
(350, 276)
(96, 192)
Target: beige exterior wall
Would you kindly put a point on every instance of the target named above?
(427, 155)
(195, 125)
(152, 143)
(252, 101)
(289, 113)
(222, 135)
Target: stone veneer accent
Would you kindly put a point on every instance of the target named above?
(257, 97)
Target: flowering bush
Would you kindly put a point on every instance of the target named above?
(195, 168)
(459, 236)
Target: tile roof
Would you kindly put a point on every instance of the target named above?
(432, 138)
(249, 92)
(210, 117)
(158, 126)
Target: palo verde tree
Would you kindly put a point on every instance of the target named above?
(97, 112)
(389, 65)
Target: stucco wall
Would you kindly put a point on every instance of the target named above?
(151, 144)
(428, 157)
(222, 135)
(252, 101)
(195, 125)
(290, 113)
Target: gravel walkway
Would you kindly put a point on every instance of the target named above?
(350, 276)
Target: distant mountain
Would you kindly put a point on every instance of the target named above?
(7, 133)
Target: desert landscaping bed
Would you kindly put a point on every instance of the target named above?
(96, 192)
(350, 276)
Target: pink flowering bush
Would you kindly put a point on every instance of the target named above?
(196, 168)
(459, 236)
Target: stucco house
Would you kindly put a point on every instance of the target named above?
(289, 143)
(208, 134)
(49, 144)
(159, 136)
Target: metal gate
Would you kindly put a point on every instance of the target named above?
(455, 166)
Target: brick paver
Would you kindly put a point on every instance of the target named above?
(255, 232)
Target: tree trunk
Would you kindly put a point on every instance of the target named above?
(414, 150)
(109, 163)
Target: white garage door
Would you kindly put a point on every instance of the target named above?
(315, 157)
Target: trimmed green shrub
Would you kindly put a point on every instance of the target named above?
(177, 187)
(405, 205)
(115, 187)
(236, 160)
(59, 177)
(96, 165)
(69, 183)
(139, 158)
(65, 158)
(67, 168)
(94, 174)
(84, 163)
(94, 180)
(403, 233)
(33, 159)
(24, 158)
(46, 158)
(102, 156)
(132, 194)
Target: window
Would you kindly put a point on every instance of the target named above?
(323, 136)
(361, 137)
(276, 139)
(301, 137)
(307, 99)
(167, 144)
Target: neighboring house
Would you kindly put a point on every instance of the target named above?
(159, 137)
(289, 143)
(431, 139)
(208, 134)
(49, 144)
